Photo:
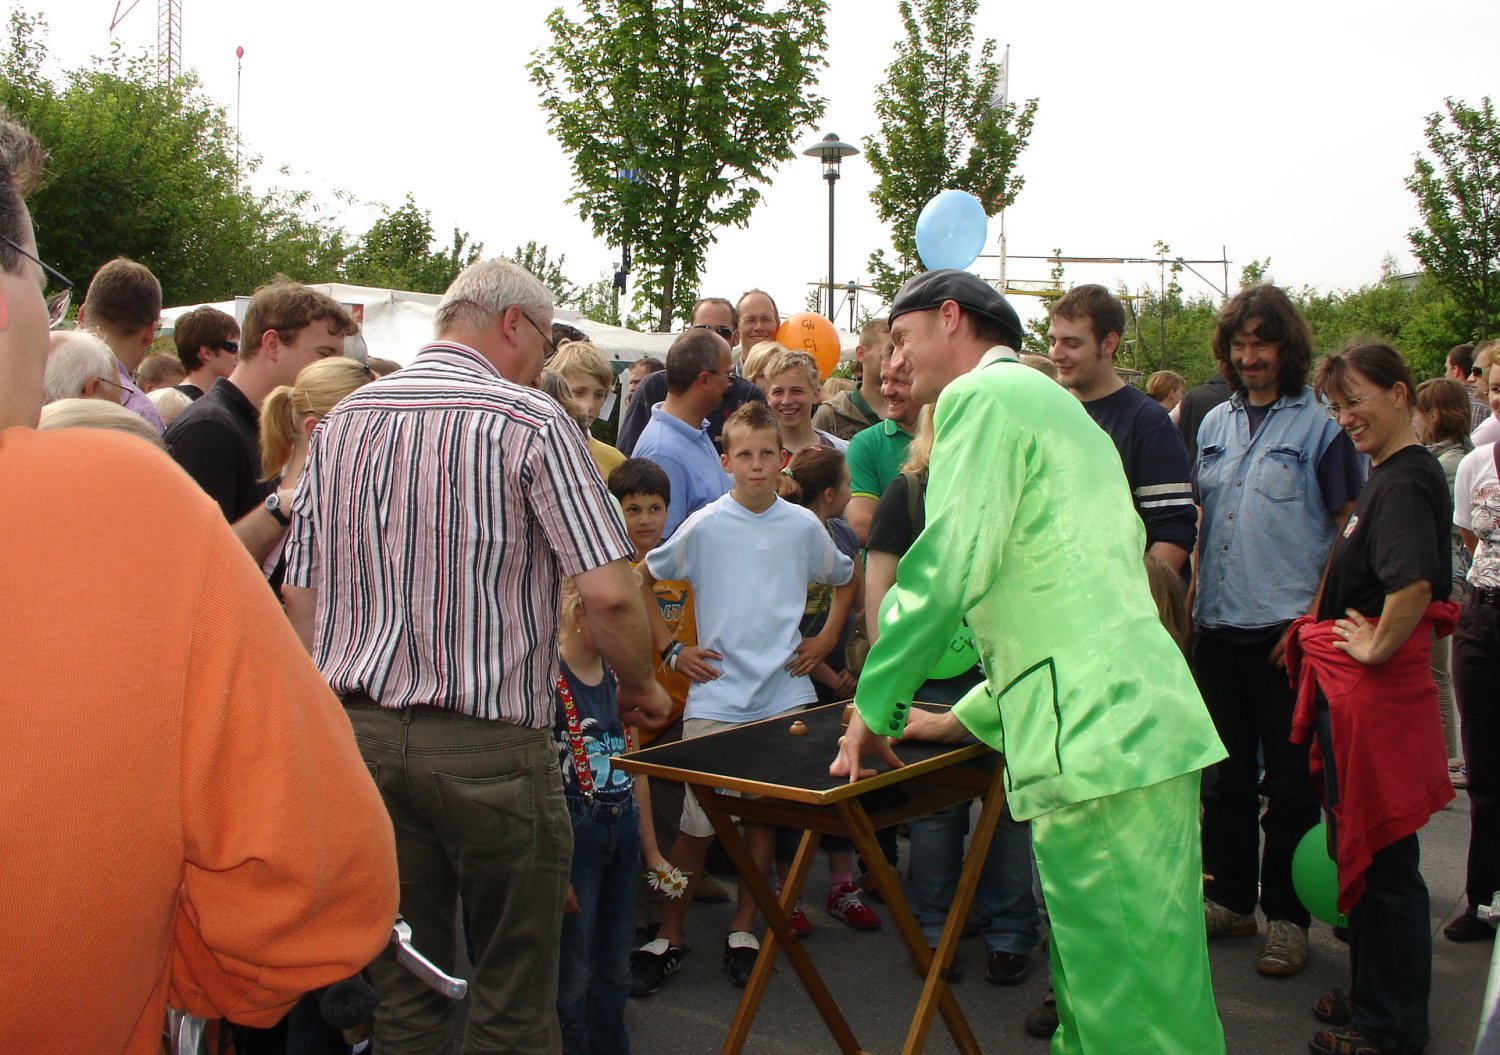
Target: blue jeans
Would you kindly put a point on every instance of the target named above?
(1004, 900)
(1390, 946)
(594, 965)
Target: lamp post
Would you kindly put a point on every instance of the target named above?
(830, 150)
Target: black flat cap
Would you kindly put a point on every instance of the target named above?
(929, 289)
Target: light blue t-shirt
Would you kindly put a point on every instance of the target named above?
(749, 573)
(690, 460)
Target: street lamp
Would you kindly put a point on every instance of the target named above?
(830, 150)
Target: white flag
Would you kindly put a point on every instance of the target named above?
(1002, 83)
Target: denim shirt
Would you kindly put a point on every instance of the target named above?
(1266, 528)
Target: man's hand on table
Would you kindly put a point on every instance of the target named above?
(939, 727)
(857, 742)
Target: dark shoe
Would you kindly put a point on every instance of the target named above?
(741, 949)
(1468, 927)
(1005, 968)
(652, 963)
(1334, 1007)
(1351, 1042)
(711, 890)
(1042, 1022)
(954, 972)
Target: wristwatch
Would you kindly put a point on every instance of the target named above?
(273, 506)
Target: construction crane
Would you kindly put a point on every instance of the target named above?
(168, 34)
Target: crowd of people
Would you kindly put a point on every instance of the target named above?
(410, 617)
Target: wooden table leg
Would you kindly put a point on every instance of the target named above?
(779, 930)
(936, 994)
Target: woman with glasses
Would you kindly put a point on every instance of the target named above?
(1366, 697)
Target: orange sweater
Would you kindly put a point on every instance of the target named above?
(184, 815)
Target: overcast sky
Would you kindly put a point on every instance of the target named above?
(1275, 129)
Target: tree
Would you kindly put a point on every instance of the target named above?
(397, 253)
(146, 169)
(1459, 199)
(675, 112)
(940, 129)
(536, 258)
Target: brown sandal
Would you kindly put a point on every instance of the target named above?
(1334, 1007)
(1351, 1042)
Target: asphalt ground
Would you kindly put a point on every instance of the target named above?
(871, 978)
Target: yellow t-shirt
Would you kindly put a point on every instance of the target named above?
(606, 458)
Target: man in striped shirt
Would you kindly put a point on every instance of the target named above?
(437, 512)
(1085, 329)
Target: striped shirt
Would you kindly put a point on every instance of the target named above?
(439, 507)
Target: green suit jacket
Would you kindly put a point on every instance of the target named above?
(1030, 534)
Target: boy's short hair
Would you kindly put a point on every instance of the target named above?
(640, 476)
(581, 357)
(202, 328)
(287, 307)
(123, 296)
(753, 416)
(784, 361)
(1093, 302)
(160, 368)
(753, 363)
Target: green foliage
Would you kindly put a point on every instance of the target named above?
(674, 113)
(536, 258)
(147, 170)
(1459, 199)
(939, 129)
(599, 301)
(396, 252)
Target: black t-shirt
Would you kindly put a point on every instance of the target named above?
(891, 529)
(653, 389)
(217, 440)
(1155, 462)
(1396, 535)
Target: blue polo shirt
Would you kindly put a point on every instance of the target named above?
(690, 460)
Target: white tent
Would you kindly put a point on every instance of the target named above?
(396, 323)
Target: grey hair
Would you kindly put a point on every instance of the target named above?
(485, 289)
(97, 414)
(75, 358)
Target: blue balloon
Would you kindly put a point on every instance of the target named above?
(951, 230)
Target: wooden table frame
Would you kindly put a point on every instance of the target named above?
(929, 785)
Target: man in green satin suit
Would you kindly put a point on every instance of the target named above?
(1031, 534)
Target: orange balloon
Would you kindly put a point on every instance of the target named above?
(809, 332)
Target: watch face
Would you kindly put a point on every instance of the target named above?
(273, 501)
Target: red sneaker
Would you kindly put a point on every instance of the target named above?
(801, 925)
(844, 903)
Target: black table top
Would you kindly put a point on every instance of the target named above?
(764, 758)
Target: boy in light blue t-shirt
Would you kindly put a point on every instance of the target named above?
(749, 557)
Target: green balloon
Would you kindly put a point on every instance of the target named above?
(959, 656)
(1315, 877)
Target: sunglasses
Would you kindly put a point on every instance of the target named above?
(232, 347)
(723, 331)
(57, 303)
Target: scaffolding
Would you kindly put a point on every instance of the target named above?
(168, 34)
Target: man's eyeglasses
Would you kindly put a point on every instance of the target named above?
(57, 303)
(232, 347)
(723, 331)
(124, 396)
(547, 337)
